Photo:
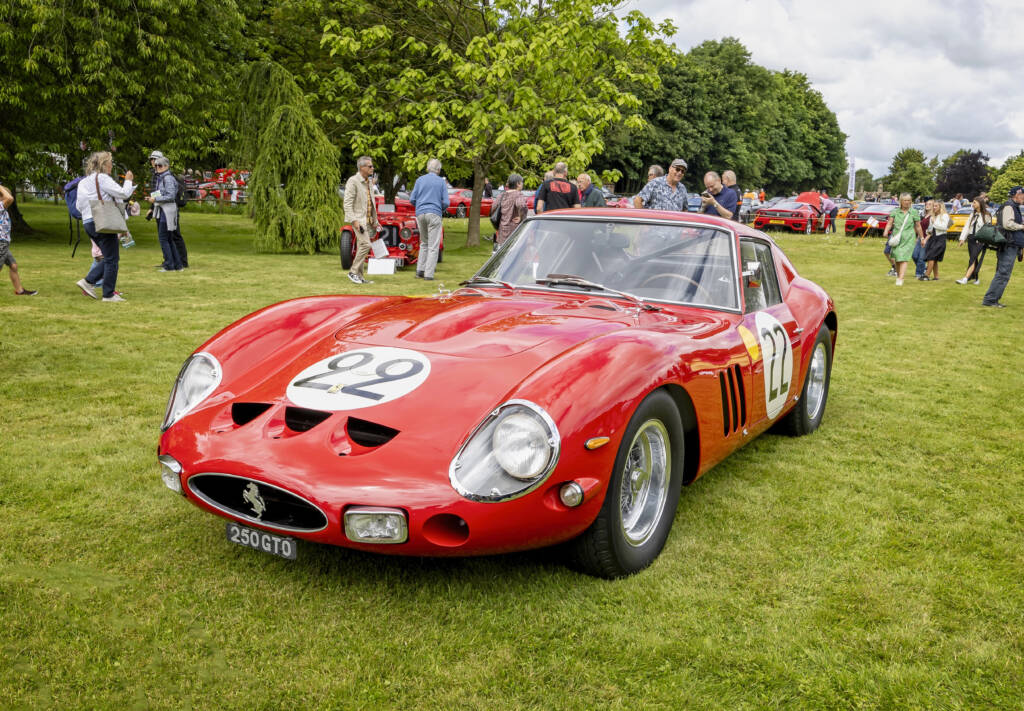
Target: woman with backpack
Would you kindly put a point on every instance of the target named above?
(975, 249)
(98, 185)
(166, 214)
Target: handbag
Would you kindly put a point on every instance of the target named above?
(496, 212)
(990, 236)
(895, 239)
(107, 217)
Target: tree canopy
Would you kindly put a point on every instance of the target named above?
(909, 173)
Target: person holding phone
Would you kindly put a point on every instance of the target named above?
(361, 213)
(717, 199)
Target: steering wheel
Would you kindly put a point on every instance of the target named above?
(681, 277)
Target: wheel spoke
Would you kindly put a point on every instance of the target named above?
(645, 480)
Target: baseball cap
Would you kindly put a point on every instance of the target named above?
(156, 154)
(678, 162)
(1016, 189)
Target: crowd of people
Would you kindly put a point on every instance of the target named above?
(921, 239)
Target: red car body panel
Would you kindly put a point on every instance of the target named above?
(574, 354)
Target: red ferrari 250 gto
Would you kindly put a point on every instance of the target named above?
(599, 361)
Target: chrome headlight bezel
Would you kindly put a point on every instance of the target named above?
(182, 401)
(475, 471)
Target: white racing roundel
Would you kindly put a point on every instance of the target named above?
(777, 355)
(359, 378)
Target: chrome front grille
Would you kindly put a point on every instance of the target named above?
(257, 502)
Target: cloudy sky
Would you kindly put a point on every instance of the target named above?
(921, 73)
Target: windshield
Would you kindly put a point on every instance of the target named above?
(660, 261)
(789, 205)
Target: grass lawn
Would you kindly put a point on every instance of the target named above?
(878, 563)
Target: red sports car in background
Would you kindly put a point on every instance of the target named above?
(868, 218)
(461, 200)
(792, 215)
(599, 361)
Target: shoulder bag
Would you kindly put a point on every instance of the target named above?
(106, 215)
(896, 235)
(990, 235)
(496, 211)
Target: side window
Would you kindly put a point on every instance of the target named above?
(760, 289)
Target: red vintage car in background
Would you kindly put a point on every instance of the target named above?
(461, 199)
(223, 184)
(867, 218)
(398, 229)
(791, 215)
(599, 361)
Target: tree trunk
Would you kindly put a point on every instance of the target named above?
(473, 233)
(18, 224)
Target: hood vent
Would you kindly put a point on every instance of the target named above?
(299, 419)
(369, 434)
(243, 413)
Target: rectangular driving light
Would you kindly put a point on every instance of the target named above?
(376, 524)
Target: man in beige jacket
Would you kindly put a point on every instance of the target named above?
(361, 213)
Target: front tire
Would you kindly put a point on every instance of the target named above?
(642, 496)
(806, 415)
(460, 211)
(346, 249)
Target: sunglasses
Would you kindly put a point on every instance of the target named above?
(678, 169)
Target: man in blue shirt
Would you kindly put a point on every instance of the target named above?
(430, 198)
(717, 199)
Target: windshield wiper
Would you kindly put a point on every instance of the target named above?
(476, 280)
(581, 283)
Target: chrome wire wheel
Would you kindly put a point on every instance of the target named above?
(645, 482)
(816, 381)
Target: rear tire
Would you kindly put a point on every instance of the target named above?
(643, 493)
(806, 415)
(345, 246)
(809, 228)
(460, 211)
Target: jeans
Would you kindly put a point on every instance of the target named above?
(430, 240)
(172, 260)
(179, 243)
(1004, 267)
(920, 263)
(105, 271)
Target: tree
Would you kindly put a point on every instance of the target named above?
(718, 110)
(908, 173)
(82, 76)
(293, 188)
(1012, 174)
(963, 172)
(512, 83)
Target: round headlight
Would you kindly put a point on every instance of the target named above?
(520, 445)
(199, 377)
(406, 233)
(509, 454)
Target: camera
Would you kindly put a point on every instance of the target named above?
(706, 193)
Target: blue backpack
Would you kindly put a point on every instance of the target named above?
(71, 197)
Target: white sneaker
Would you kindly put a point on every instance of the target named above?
(355, 278)
(115, 297)
(899, 282)
(976, 282)
(86, 288)
(961, 281)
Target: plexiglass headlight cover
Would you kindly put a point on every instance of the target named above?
(199, 377)
(511, 453)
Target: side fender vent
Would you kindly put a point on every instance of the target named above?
(243, 413)
(734, 399)
(369, 434)
(300, 419)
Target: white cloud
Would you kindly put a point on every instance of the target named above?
(934, 75)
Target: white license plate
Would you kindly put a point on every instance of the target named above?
(262, 541)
